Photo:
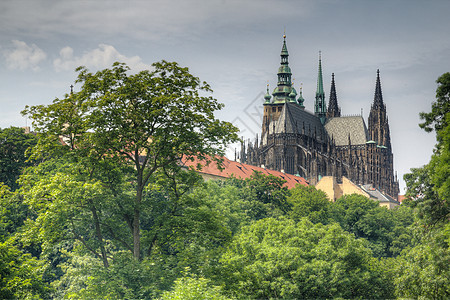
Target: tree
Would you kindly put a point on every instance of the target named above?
(385, 230)
(423, 270)
(429, 187)
(307, 201)
(147, 120)
(436, 119)
(266, 195)
(273, 259)
(193, 288)
(21, 275)
(13, 146)
(225, 198)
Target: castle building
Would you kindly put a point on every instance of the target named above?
(323, 143)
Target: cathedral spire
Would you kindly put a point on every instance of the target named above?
(319, 107)
(333, 108)
(282, 92)
(378, 98)
(300, 99)
(267, 96)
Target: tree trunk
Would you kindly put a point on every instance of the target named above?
(99, 235)
(136, 225)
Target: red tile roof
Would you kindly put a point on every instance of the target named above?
(240, 170)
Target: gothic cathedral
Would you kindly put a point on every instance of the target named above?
(296, 141)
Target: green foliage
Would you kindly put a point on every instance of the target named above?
(266, 195)
(13, 146)
(308, 202)
(13, 212)
(21, 275)
(225, 198)
(193, 288)
(429, 186)
(423, 271)
(282, 259)
(126, 278)
(386, 230)
(146, 121)
(436, 119)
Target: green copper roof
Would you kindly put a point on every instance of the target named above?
(320, 106)
(300, 98)
(281, 94)
(319, 78)
(284, 49)
(292, 95)
(267, 96)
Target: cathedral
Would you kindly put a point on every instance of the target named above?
(323, 143)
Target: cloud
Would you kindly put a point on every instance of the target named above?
(24, 56)
(102, 57)
(142, 20)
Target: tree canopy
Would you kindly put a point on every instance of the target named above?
(14, 143)
(147, 121)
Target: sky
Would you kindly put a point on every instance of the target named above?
(235, 47)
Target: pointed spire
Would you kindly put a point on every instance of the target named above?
(267, 96)
(300, 97)
(319, 77)
(378, 99)
(293, 93)
(320, 108)
(333, 108)
(284, 51)
(284, 86)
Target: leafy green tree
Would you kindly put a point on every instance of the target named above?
(193, 288)
(423, 271)
(349, 209)
(429, 186)
(273, 259)
(309, 202)
(13, 146)
(266, 195)
(126, 278)
(21, 275)
(12, 212)
(436, 119)
(225, 198)
(70, 207)
(147, 120)
(386, 230)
